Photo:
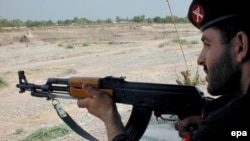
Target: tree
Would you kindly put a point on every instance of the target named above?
(76, 20)
(117, 19)
(67, 22)
(16, 23)
(49, 23)
(157, 19)
(60, 22)
(108, 21)
(4, 22)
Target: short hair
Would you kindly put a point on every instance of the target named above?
(229, 29)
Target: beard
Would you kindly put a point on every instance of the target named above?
(224, 77)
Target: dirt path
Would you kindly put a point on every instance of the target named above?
(131, 51)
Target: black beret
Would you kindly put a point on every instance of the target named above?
(206, 13)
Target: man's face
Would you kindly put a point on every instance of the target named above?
(222, 75)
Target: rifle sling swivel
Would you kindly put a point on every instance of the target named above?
(70, 122)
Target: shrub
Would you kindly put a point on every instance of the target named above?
(48, 134)
(187, 80)
(3, 82)
(85, 44)
(69, 46)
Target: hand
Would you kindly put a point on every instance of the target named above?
(99, 104)
(102, 106)
(187, 125)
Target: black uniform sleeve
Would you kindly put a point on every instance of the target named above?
(220, 123)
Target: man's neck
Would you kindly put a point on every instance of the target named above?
(245, 80)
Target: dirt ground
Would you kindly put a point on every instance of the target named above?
(133, 51)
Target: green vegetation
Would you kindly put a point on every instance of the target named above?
(48, 134)
(60, 45)
(71, 46)
(182, 41)
(68, 46)
(185, 42)
(19, 131)
(3, 82)
(85, 44)
(193, 42)
(16, 23)
(163, 44)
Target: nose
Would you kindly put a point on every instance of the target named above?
(201, 58)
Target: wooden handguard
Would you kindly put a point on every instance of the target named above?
(75, 86)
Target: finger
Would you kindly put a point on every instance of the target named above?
(192, 120)
(195, 119)
(181, 130)
(187, 125)
(82, 103)
(177, 126)
(180, 126)
(90, 90)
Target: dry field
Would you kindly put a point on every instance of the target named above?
(140, 52)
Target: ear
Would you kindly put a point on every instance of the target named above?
(241, 46)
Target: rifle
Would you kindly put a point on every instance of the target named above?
(145, 98)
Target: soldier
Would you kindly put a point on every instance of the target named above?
(225, 57)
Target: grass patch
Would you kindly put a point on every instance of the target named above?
(68, 46)
(3, 82)
(49, 133)
(194, 42)
(163, 44)
(85, 44)
(186, 42)
(60, 45)
(19, 131)
(182, 41)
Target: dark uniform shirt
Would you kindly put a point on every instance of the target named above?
(228, 119)
(225, 122)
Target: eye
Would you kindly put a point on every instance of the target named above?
(205, 44)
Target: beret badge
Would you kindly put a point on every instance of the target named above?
(198, 14)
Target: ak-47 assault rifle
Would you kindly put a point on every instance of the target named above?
(145, 98)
